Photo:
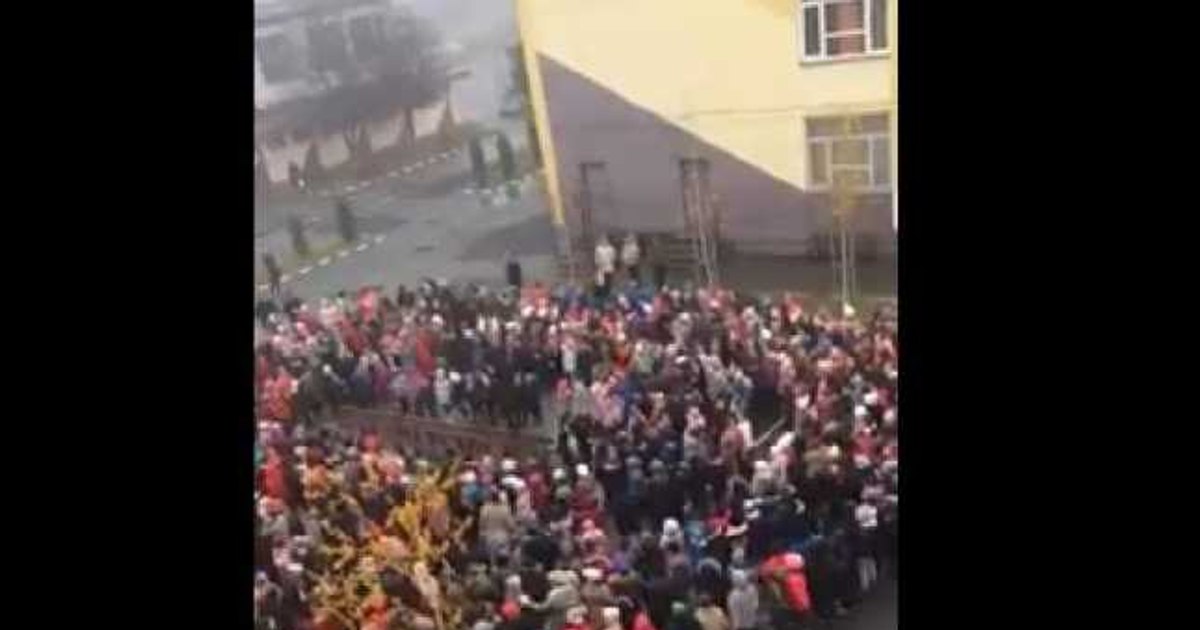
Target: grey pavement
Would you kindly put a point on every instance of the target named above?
(763, 273)
(877, 611)
(459, 237)
(421, 178)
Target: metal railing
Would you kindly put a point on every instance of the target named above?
(437, 437)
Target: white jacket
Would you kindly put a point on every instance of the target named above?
(606, 256)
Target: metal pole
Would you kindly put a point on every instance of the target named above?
(853, 263)
(845, 265)
(833, 261)
(566, 233)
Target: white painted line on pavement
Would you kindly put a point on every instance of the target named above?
(304, 270)
(379, 239)
(469, 191)
(362, 247)
(350, 188)
(284, 278)
(324, 261)
(344, 253)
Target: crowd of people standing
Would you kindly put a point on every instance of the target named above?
(722, 462)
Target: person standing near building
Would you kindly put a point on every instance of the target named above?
(606, 259)
(630, 256)
(658, 263)
(512, 270)
(274, 274)
(295, 178)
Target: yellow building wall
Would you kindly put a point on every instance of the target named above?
(728, 71)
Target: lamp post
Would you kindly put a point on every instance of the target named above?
(844, 199)
(451, 79)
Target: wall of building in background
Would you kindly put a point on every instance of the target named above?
(283, 23)
(332, 147)
(641, 85)
(286, 23)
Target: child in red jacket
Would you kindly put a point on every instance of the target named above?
(784, 571)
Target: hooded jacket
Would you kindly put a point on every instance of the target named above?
(743, 602)
(786, 571)
(563, 596)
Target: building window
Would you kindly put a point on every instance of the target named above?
(277, 140)
(855, 150)
(278, 58)
(302, 134)
(366, 34)
(596, 200)
(832, 29)
(327, 50)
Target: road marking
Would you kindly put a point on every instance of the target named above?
(324, 261)
(344, 253)
(304, 270)
(362, 247)
(469, 191)
(379, 239)
(284, 278)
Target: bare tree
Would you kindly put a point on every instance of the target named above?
(518, 93)
(409, 73)
(844, 198)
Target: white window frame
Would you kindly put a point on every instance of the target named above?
(869, 48)
(826, 142)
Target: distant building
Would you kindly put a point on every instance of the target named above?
(753, 107)
(302, 47)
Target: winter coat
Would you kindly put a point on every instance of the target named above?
(496, 523)
(743, 603)
(786, 572)
(641, 621)
(712, 618)
(559, 600)
(630, 253)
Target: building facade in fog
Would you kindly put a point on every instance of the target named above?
(300, 48)
(756, 106)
